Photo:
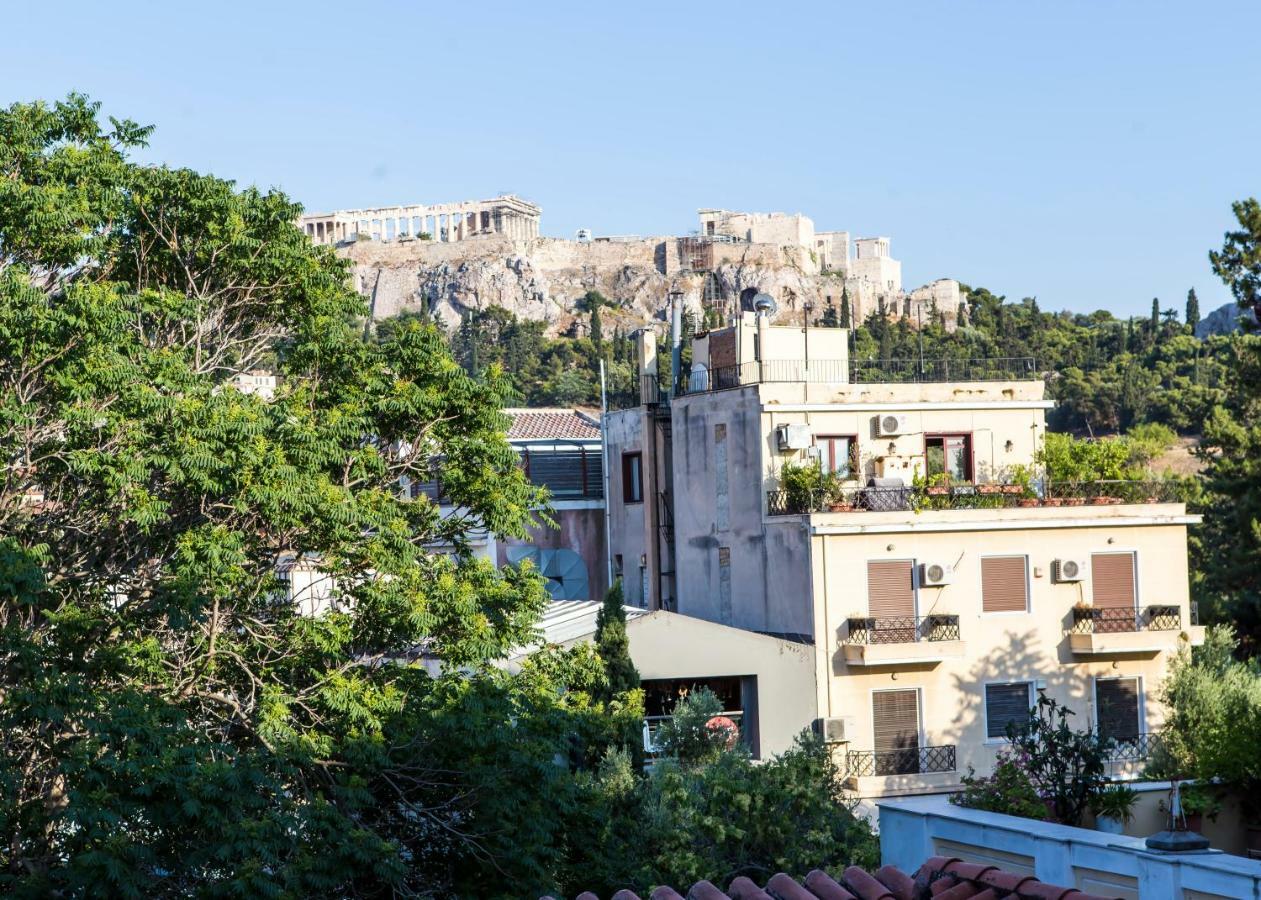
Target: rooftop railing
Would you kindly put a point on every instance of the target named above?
(1105, 620)
(908, 761)
(902, 629)
(970, 496)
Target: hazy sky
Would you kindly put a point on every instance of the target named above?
(1085, 153)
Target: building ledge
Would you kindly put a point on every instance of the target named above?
(1124, 642)
(909, 653)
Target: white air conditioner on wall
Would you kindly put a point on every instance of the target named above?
(793, 437)
(935, 574)
(889, 425)
(1068, 570)
(835, 729)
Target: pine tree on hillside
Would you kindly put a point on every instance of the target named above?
(1154, 327)
(1193, 309)
(847, 316)
(613, 644)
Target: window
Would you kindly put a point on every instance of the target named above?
(840, 453)
(1004, 584)
(1117, 708)
(1005, 704)
(949, 454)
(891, 601)
(895, 727)
(632, 478)
(1112, 580)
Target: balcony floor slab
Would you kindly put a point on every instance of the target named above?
(910, 652)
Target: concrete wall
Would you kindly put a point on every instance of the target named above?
(996, 647)
(668, 645)
(913, 829)
(730, 567)
(579, 527)
(633, 526)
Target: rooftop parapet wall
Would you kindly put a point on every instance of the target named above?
(1031, 394)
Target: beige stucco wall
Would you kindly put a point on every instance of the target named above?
(668, 645)
(997, 647)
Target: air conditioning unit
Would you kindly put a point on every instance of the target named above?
(835, 729)
(1069, 570)
(890, 425)
(793, 437)
(933, 574)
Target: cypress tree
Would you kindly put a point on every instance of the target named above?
(613, 644)
(1155, 321)
(597, 330)
(1193, 309)
(847, 315)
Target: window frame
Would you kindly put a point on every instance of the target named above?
(1119, 551)
(827, 443)
(919, 713)
(1028, 589)
(632, 461)
(1031, 684)
(969, 455)
(1094, 700)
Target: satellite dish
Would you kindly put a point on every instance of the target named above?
(765, 303)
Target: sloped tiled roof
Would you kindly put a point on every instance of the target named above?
(556, 424)
(941, 878)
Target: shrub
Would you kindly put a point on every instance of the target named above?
(1009, 790)
(1065, 766)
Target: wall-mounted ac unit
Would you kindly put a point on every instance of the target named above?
(1068, 570)
(889, 425)
(835, 729)
(933, 574)
(793, 437)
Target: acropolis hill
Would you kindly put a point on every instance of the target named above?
(456, 257)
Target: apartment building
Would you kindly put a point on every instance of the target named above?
(942, 581)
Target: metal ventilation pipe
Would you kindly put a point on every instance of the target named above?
(676, 339)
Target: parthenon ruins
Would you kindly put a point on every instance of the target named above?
(507, 214)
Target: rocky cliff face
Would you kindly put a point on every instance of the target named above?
(543, 278)
(1223, 320)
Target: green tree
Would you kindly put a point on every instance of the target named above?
(1238, 263)
(847, 315)
(613, 644)
(172, 723)
(1192, 317)
(597, 330)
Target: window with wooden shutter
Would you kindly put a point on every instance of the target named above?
(895, 723)
(890, 588)
(1004, 584)
(1116, 708)
(1112, 580)
(1005, 704)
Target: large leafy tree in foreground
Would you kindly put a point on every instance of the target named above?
(168, 724)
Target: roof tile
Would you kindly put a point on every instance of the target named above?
(558, 424)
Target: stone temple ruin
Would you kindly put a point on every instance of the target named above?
(456, 257)
(506, 214)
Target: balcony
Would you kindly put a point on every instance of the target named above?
(860, 371)
(903, 640)
(909, 761)
(1149, 629)
(971, 496)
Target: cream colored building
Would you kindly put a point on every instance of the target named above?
(937, 614)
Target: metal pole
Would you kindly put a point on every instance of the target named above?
(604, 454)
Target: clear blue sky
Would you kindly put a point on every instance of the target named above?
(1085, 153)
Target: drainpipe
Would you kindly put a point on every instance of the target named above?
(676, 340)
(604, 454)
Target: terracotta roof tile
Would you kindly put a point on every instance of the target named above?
(940, 878)
(559, 424)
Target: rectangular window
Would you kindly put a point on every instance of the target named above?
(1117, 708)
(839, 453)
(1004, 584)
(1006, 704)
(1112, 580)
(632, 478)
(891, 600)
(895, 728)
(949, 454)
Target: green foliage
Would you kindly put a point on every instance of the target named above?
(1213, 725)
(1008, 790)
(1066, 458)
(613, 644)
(1116, 801)
(1238, 263)
(1065, 766)
(690, 736)
(1192, 316)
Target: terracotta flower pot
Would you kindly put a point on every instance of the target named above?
(1028, 501)
(1099, 501)
(1052, 501)
(1074, 501)
(937, 491)
(840, 507)
(989, 489)
(1013, 489)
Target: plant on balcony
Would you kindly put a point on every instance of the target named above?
(1008, 790)
(1114, 808)
(1066, 766)
(696, 732)
(803, 483)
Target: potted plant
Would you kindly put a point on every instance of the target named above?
(938, 485)
(1027, 501)
(1114, 808)
(833, 486)
(803, 485)
(1074, 501)
(1198, 802)
(990, 488)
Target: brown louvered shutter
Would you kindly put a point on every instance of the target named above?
(890, 588)
(1116, 708)
(895, 718)
(1004, 584)
(1112, 580)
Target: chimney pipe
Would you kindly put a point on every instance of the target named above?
(676, 339)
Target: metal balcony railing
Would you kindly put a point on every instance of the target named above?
(902, 629)
(1121, 621)
(1134, 748)
(971, 496)
(908, 761)
(896, 371)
